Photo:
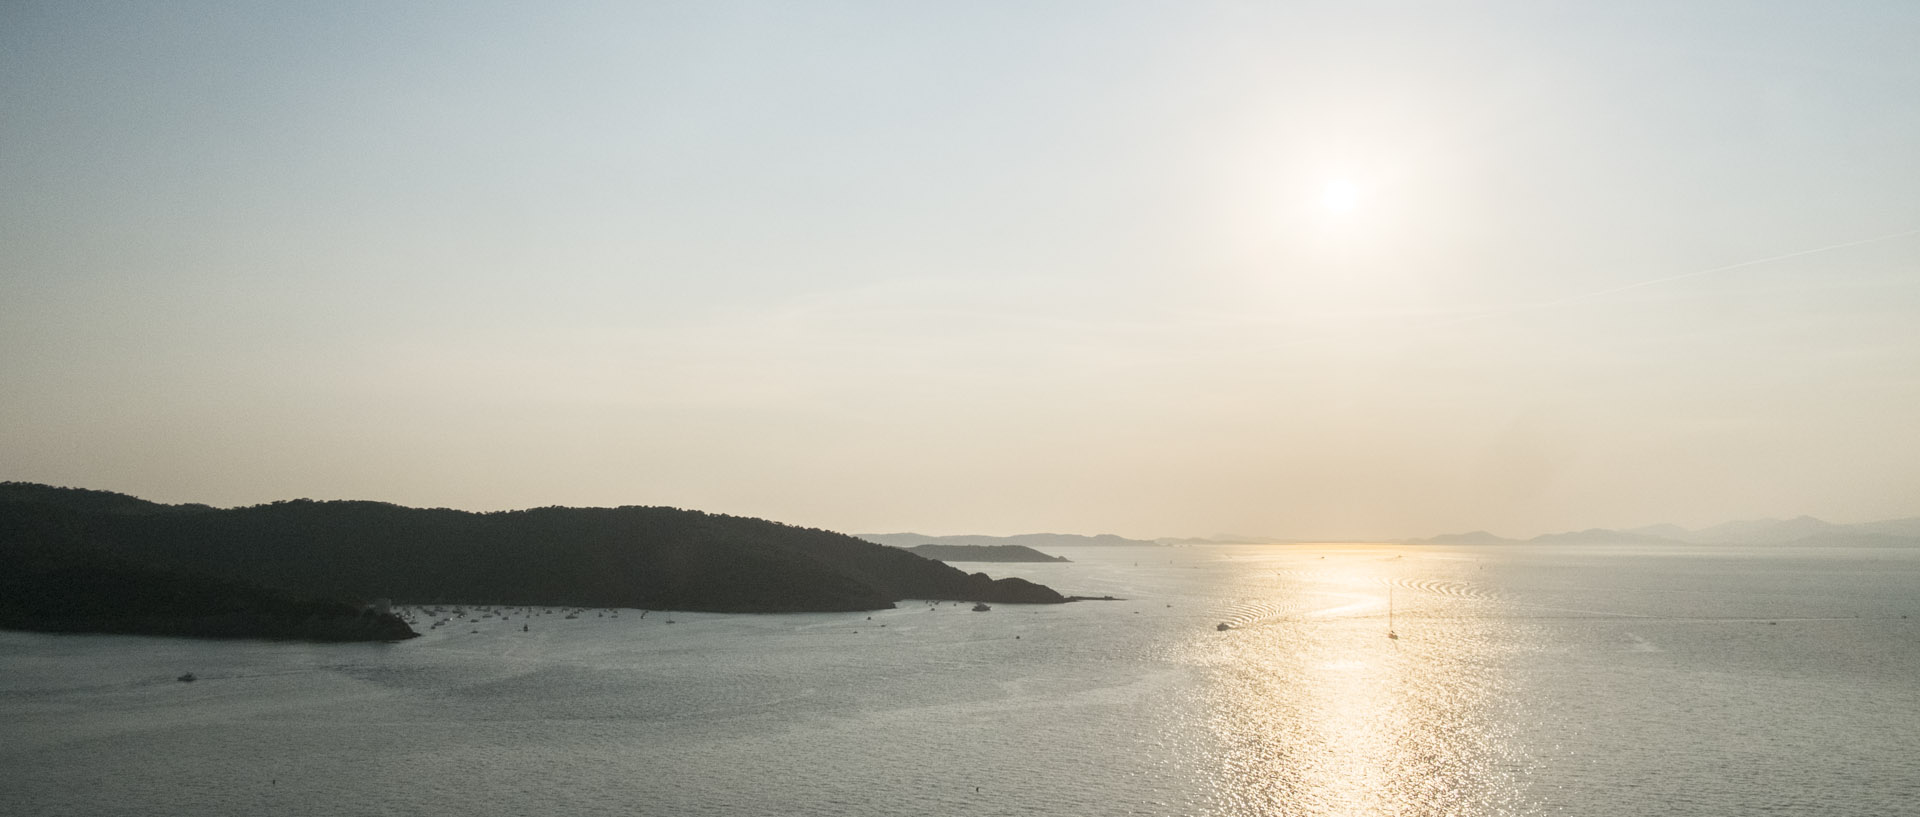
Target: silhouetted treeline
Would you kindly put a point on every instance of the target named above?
(641, 557)
(87, 499)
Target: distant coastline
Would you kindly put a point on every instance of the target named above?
(1031, 540)
(983, 553)
(1802, 531)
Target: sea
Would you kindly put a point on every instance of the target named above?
(1565, 680)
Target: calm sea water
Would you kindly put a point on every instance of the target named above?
(1576, 681)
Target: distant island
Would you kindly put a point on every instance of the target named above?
(349, 553)
(1032, 540)
(983, 553)
(1803, 531)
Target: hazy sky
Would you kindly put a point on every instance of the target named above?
(1294, 269)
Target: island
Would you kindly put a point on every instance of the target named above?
(1027, 539)
(354, 552)
(983, 553)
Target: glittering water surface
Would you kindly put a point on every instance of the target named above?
(1583, 681)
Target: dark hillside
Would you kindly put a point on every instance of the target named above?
(55, 580)
(644, 557)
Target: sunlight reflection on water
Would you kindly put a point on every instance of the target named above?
(1319, 713)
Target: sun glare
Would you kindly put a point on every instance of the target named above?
(1340, 196)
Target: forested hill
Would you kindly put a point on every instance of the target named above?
(641, 557)
(54, 577)
(87, 499)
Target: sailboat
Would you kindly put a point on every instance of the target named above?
(1390, 633)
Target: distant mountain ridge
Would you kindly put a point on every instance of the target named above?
(1800, 530)
(1219, 539)
(639, 557)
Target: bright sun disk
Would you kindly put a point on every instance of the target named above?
(1340, 196)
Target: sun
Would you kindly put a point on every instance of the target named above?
(1340, 197)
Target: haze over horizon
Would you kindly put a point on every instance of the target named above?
(1327, 270)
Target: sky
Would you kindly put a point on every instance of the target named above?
(1340, 270)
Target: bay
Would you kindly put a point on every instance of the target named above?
(1572, 680)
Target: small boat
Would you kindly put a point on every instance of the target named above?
(1390, 633)
(981, 607)
(187, 678)
(1223, 627)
